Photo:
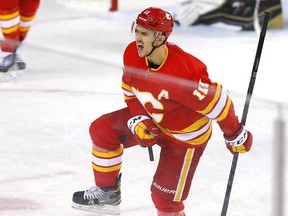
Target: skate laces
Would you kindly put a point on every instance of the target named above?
(93, 193)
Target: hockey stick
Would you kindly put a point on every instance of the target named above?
(122, 138)
(151, 155)
(245, 110)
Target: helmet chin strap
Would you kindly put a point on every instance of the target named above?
(154, 47)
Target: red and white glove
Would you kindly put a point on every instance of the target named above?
(144, 129)
(240, 141)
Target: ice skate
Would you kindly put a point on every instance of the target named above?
(103, 200)
(11, 62)
(11, 67)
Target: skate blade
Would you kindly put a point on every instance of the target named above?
(101, 209)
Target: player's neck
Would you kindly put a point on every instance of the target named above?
(158, 55)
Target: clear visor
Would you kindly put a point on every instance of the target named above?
(133, 31)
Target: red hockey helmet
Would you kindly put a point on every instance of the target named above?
(157, 20)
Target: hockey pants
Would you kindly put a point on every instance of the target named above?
(172, 180)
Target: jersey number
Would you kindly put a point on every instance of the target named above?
(201, 91)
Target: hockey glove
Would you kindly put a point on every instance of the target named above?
(240, 141)
(144, 129)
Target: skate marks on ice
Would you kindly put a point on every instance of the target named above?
(15, 204)
(11, 75)
(105, 210)
(99, 209)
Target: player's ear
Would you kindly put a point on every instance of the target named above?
(160, 39)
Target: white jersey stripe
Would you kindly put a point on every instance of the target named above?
(220, 105)
(128, 93)
(194, 134)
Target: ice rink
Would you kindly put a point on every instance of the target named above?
(73, 75)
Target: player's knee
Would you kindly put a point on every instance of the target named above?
(102, 134)
(168, 208)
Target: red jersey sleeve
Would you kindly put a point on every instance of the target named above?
(212, 100)
(199, 93)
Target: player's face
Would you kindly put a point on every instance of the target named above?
(144, 39)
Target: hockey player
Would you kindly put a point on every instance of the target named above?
(16, 18)
(234, 14)
(171, 102)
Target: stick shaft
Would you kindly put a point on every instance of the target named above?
(245, 110)
(151, 155)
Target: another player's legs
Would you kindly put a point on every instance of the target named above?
(109, 134)
(173, 178)
(16, 18)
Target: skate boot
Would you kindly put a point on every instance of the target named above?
(21, 65)
(11, 62)
(240, 13)
(11, 67)
(99, 199)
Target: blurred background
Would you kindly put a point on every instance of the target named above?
(74, 53)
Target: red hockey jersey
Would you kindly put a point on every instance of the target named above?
(179, 96)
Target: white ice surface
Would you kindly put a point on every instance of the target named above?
(74, 60)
